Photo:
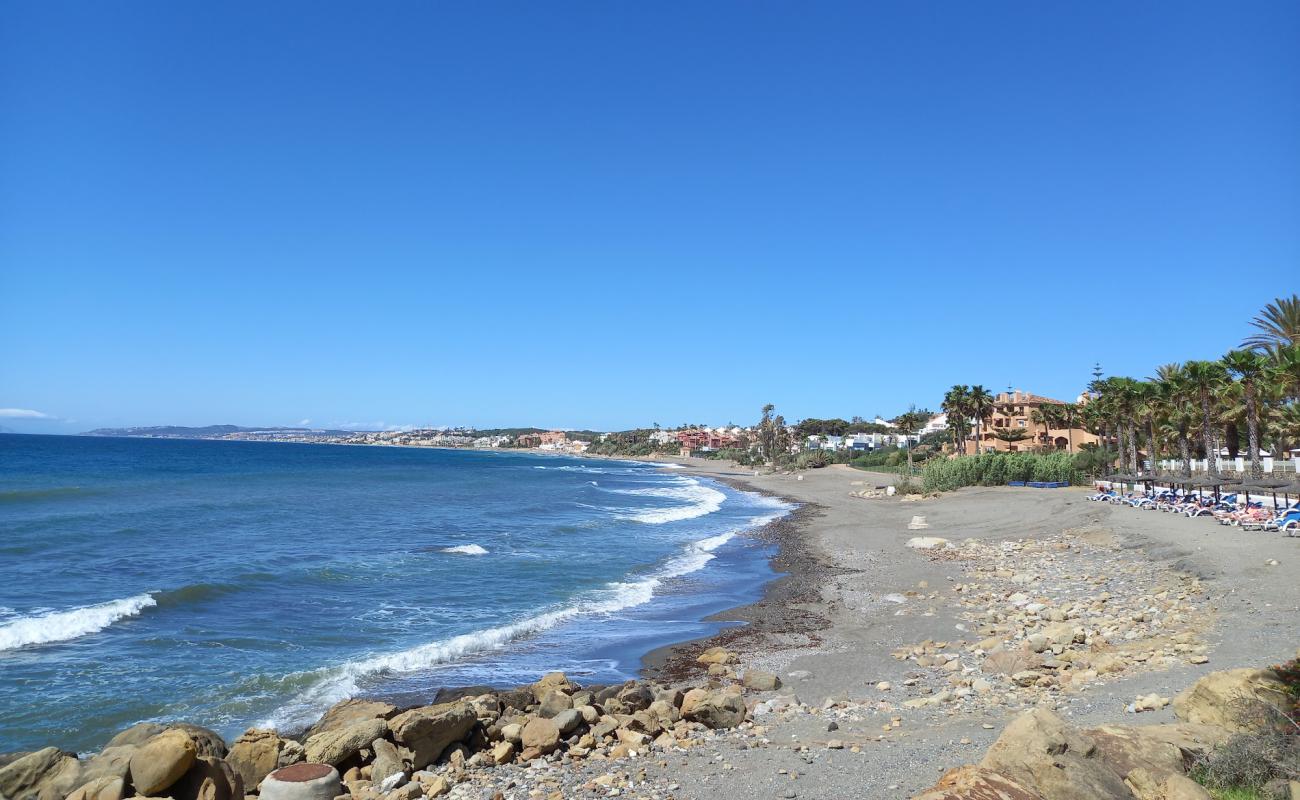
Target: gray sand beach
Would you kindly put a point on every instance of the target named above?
(850, 569)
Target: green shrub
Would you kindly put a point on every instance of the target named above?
(998, 469)
(814, 459)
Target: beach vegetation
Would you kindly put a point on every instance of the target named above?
(998, 469)
(1277, 325)
(813, 459)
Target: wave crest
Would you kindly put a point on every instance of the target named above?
(61, 626)
(466, 550)
(699, 500)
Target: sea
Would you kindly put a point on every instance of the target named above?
(235, 584)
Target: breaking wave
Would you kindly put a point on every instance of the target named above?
(61, 626)
(698, 500)
(333, 684)
(466, 550)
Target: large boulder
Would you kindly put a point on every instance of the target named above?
(429, 730)
(1236, 699)
(257, 753)
(137, 734)
(1010, 660)
(209, 779)
(350, 712)
(718, 655)
(389, 760)
(104, 788)
(111, 762)
(1158, 751)
(540, 736)
(554, 702)
(552, 681)
(721, 709)
(47, 774)
(761, 681)
(1043, 754)
(161, 761)
(976, 783)
(206, 742)
(338, 746)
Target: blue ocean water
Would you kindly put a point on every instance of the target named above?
(240, 583)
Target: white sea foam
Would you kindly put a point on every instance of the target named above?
(60, 626)
(466, 550)
(698, 498)
(341, 682)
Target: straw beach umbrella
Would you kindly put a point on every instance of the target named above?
(1271, 484)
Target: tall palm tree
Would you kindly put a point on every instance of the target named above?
(1070, 416)
(956, 404)
(1150, 403)
(1177, 397)
(981, 408)
(1202, 378)
(1278, 324)
(1250, 368)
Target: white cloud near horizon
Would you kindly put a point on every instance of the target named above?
(23, 413)
(304, 422)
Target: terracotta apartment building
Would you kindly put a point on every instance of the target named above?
(1016, 410)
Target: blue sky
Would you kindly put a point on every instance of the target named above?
(610, 214)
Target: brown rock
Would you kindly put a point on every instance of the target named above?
(338, 746)
(47, 774)
(1009, 661)
(107, 787)
(549, 682)
(1181, 787)
(389, 760)
(761, 681)
(1158, 750)
(111, 762)
(137, 734)
(206, 742)
(161, 761)
(1040, 752)
(257, 753)
(209, 779)
(554, 702)
(718, 655)
(976, 783)
(540, 736)
(716, 709)
(1232, 698)
(350, 712)
(429, 730)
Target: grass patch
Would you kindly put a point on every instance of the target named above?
(1238, 793)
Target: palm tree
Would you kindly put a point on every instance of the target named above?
(1178, 418)
(1203, 377)
(1278, 325)
(1047, 415)
(956, 404)
(981, 408)
(1069, 415)
(1250, 368)
(908, 424)
(1150, 402)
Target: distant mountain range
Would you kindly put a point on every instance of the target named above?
(208, 431)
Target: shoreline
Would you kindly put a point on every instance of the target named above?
(873, 646)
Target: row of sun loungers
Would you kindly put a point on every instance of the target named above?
(1226, 510)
